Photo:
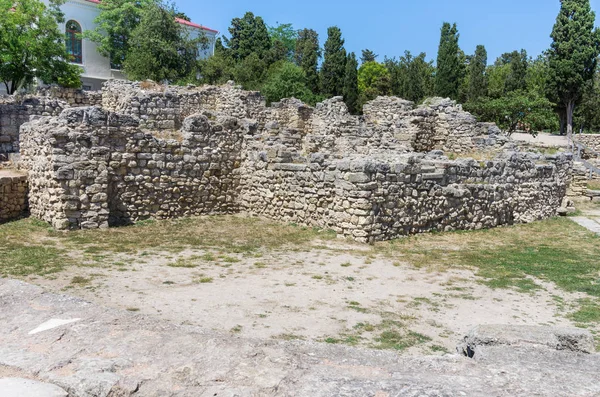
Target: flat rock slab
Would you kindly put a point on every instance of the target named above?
(482, 337)
(110, 352)
(588, 223)
(18, 387)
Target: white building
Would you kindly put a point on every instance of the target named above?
(79, 17)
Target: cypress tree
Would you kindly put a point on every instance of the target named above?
(572, 56)
(307, 57)
(516, 79)
(449, 66)
(248, 35)
(368, 56)
(478, 85)
(334, 64)
(351, 84)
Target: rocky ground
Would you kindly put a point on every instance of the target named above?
(105, 352)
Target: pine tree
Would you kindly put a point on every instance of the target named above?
(334, 64)
(368, 56)
(351, 84)
(572, 55)
(518, 62)
(248, 35)
(449, 66)
(478, 85)
(307, 57)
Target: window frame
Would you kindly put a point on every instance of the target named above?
(74, 41)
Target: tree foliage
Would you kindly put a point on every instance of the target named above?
(286, 36)
(368, 56)
(517, 109)
(113, 27)
(572, 57)
(249, 35)
(307, 56)
(478, 84)
(31, 45)
(373, 80)
(351, 95)
(411, 77)
(160, 48)
(334, 64)
(286, 80)
(450, 68)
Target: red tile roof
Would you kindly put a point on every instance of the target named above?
(179, 20)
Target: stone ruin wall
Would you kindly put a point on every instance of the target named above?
(317, 166)
(590, 140)
(48, 101)
(92, 169)
(13, 195)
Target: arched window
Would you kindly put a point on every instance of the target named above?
(74, 47)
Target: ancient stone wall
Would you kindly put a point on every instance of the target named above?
(188, 151)
(592, 141)
(15, 111)
(74, 97)
(90, 168)
(383, 196)
(13, 195)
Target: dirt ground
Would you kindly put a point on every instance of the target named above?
(334, 294)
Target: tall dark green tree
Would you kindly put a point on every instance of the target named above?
(307, 57)
(572, 57)
(517, 77)
(368, 56)
(478, 85)
(419, 81)
(450, 69)
(351, 84)
(249, 35)
(334, 63)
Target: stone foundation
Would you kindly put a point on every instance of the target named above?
(13, 195)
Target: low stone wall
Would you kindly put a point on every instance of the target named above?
(383, 196)
(15, 111)
(89, 168)
(74, 97)
(590, 140)
(13, 195)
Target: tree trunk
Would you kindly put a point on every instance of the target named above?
(562, 117)
(570, 109)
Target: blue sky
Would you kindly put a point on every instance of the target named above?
(389, 27)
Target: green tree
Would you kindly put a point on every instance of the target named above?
(287, 36)
(368, 56)
(249, 35)
(251, 72)
(160, 48)
(536, 79)
(114, 25)
(334, 63)
(286, 80)
(351, 84)
(518, 62)
(373, 80)
(450, 68)
(517, 109)
(478, 85)
(31, 45)
(307, 57)
(497, 76)
(572, 56)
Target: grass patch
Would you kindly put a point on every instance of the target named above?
(206, 280)
(80, 281)
(183, 263)
(589, 312)
(555, 250)
(395, 340)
